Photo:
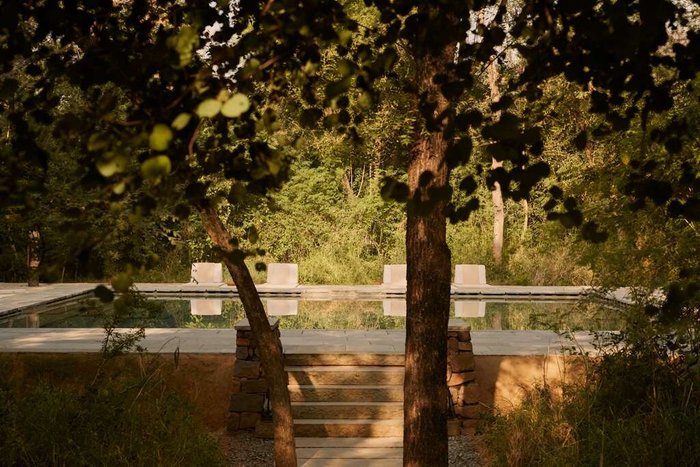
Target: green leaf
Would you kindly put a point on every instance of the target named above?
(182, 211)
(309, 117)
(365, 100)
(394, 190)
(581, 140)
(274, 165)
(8, 88)
(160, 137)
(156, 167)
(119, 188)
(110, 164)
(235, 106)
(336, 88)
(184, 43)
(121, 282)
(104, 294)
(344, 37)
(208, 108)
(459, 152)
(181, 121)
(97, 142)
(252, 234)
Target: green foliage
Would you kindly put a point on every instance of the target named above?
(639, 403)
(342, 64)
(114, 422)
(629, 58)
(341, 315)
(122, 420)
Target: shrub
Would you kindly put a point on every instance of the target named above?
(638, 405)
(124, 422)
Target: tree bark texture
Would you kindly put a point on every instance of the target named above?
(496, 194)
(269, 347)
(428, 289)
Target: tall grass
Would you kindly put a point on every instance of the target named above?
(639, 404)
(128, 421)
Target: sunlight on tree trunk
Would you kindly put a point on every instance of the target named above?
(428, 291)
(496, 194)
(269, 346)
(499, 217)
(526, 219)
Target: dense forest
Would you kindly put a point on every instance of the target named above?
(554, 142)
(331, 218)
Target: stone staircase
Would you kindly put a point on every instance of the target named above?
(348, 408)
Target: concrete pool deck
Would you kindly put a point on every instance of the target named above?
(223, 341)
(506, 360)
(18, 297)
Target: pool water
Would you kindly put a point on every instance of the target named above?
(314, 314)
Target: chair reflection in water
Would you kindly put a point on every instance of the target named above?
(206, 307)
(282, 307)
(470, 308)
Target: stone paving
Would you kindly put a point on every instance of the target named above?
(17, 297)
(294, 341)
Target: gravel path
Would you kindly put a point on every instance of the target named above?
(243, 449)
(463, 452)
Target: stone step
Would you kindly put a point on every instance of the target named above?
(387, 442)
(340, 393)
(350, 462)
(345, 374)
(344, 359)
(349, 453)
(346, 410)
(348, 428)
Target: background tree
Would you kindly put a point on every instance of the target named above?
(161, 129)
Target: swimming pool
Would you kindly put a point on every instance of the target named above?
(221, 313)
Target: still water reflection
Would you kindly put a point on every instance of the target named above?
(318, 314)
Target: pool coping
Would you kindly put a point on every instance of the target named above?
(223, 341)
(15, 298)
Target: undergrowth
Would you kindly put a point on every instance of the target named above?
(638, 404)
(116, 419)
(131, 422)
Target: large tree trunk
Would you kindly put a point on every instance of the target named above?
(428, 292)
(496, 194)
(269, 347)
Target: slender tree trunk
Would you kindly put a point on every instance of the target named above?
(526, 215)
(499, 217)
(496, 194)
(271, 356)
(347, 185)
(362, 181)
(428, 291)
(33, 257)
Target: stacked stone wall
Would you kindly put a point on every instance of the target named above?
(461, 380)
(250, 395)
